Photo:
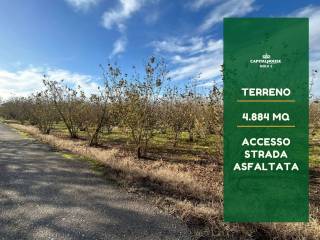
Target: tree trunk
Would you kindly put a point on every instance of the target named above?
(191, 138)
(139, 152)
(93, 140)
(73, 135)
(176, 136)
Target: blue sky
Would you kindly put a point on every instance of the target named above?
(68, 39)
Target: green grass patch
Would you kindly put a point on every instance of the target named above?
(314, 156)
(24, 135)
(69, 155)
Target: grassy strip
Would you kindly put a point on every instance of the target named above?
(168, 178)
(177, 190)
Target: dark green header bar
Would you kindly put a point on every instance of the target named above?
(266, 120)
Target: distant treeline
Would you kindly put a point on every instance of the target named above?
(140, 105)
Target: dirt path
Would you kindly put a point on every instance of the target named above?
(45, 196)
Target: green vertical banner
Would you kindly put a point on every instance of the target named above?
(266, 108)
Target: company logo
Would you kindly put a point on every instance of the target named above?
(266, 56)
(265, 61)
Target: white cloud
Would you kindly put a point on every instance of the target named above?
(82, 5)
(118, 16)
(202, 55)
(26, 81)
(206, 66)
(313, 13)
(197, 57)
(119, 46)
(175, 45)
(197, 4)
(230, 8)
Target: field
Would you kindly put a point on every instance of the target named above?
(185, 181)
(160, 146)
(314, 150)
(164, 144)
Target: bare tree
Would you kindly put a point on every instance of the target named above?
(69, 103)
(142, 101)
(16, 108)
(104, 108)
(314, 116)
(174, 114)
(42, 112)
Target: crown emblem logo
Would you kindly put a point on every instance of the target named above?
(266, 56)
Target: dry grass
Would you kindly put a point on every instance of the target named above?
(170, 177)
(193, 192)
